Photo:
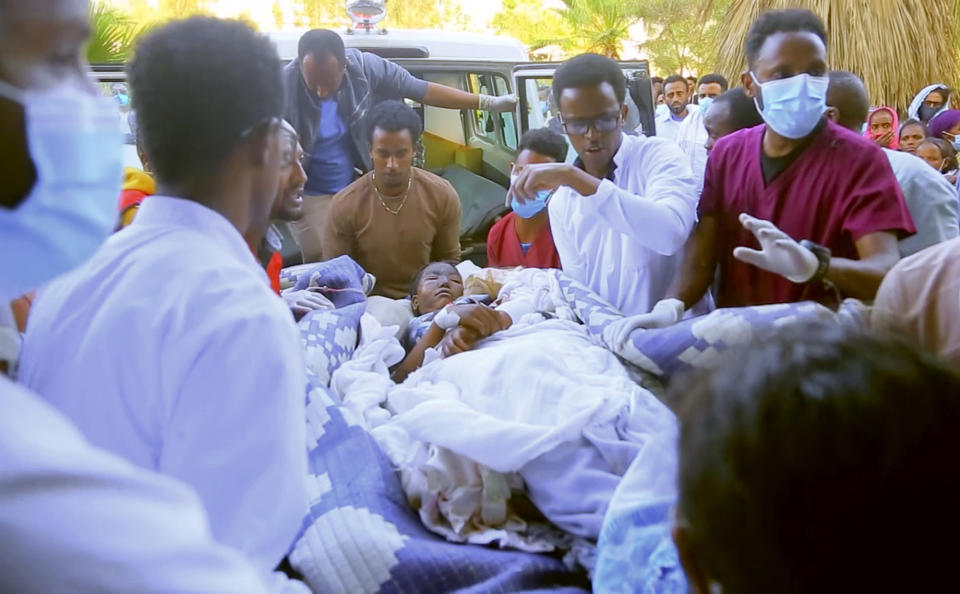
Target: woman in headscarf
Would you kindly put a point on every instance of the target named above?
(912, 133)
(947, 126)
(930, 102)
(883, 127)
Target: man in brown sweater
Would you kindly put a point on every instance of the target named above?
(396, 219)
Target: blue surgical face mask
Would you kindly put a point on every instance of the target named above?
(530, 208)
(955, 142)
(792, 107)
(705, 104)
(75, 143)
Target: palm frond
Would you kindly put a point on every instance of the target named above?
(113, 35)
(600, 26)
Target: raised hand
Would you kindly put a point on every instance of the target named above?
(778, 252)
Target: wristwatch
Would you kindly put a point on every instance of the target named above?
(823, 258)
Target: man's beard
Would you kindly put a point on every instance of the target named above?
(678, 109)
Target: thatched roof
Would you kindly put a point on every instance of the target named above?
(896, 46)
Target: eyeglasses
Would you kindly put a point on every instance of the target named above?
(602, 124)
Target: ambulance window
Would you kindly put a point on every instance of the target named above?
(508, 121)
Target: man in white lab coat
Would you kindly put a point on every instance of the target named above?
(74, 518)
(168, 347)
(676, 98)
(692, 134)
(621, 213)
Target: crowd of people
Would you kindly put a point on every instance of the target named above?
(814, 459)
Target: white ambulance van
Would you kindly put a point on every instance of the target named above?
(472, 149)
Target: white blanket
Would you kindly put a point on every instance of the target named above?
(538, 406)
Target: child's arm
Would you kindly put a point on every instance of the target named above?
(459, 340)
(480, 320)
(414, 359)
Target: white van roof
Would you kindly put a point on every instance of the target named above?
(414, 43)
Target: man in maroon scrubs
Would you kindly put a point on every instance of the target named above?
(800, 206)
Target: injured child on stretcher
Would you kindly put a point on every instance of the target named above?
(503, 396)
(446, 319)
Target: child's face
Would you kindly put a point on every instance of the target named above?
(439, 285)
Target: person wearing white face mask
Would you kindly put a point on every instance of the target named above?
(820, 202)
(74, 518)
(692, 135)
(523, 236)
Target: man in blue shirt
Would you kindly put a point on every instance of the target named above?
(329, 90)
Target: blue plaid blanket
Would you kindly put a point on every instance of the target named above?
(361, 535)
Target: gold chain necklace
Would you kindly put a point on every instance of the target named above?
(373, 182)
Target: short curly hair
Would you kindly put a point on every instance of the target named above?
(714, 79)
(794, 20)
(742, 110)
(394, 116)
(816, 459)
(546, 142)
(589, 70)
(321, 43)
(198, 84)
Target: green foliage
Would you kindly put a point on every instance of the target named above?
(172, 9)
(113, 35)
(320, 13)
(425, 14)
(277, 12)
(401, 14)
(601, 26)
(529, 22)
(680, 37)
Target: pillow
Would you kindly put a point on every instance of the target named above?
(390, 312)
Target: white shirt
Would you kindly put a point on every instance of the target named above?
(692, 138)
(625, 241)
(77, 519)
(667, 126)
(931, 199)
(168, 349)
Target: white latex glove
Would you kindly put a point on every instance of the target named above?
(499, 104)
(666, 312)
(303, 302)
(778, 252)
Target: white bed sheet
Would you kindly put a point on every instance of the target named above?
(538, 406)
